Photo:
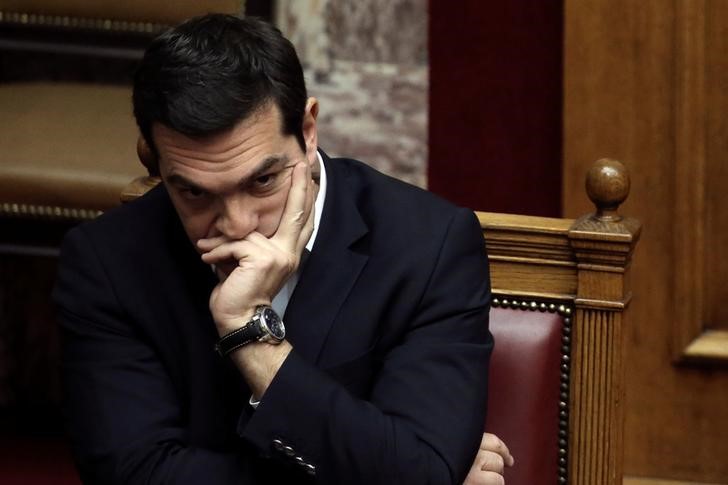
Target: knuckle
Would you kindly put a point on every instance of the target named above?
(298, 217)
(496, 479)
(499, 463)
(492, 443)
(489, 440)
(492, 478)
(481, 458)
(475, 477)
(493, 462)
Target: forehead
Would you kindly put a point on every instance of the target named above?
(250, 139)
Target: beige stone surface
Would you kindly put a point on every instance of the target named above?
(366, 61)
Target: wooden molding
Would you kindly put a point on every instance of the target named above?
(692, 341)
(710, 346)
(531, 255)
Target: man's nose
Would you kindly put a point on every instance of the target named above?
(237, 217)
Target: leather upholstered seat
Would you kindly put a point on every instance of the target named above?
(523, 409)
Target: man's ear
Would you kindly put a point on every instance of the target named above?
(310, 133)
(147, 157)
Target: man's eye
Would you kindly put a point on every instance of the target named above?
(265, 181)
(269, 183)
(192, 193)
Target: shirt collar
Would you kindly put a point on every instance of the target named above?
(318, 206)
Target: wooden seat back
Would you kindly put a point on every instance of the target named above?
(561, 298)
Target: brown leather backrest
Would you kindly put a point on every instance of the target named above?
(524, 397)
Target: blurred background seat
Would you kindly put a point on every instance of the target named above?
(67, 148)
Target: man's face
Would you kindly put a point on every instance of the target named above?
(235, 182)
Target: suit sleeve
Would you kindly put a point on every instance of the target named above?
(424, 419)
(124, 418)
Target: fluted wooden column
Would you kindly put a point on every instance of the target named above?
(602, 244)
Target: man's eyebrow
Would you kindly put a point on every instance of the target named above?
(179, 180)
(267, 163)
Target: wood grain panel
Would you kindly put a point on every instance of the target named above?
(639, 79)
(534, 277)
(716, 176)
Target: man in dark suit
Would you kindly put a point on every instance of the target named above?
(378, 374)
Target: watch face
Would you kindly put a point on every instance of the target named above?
(274, 324)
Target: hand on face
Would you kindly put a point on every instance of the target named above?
(263, 264)
(490, 462)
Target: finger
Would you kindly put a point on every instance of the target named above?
(206, 244)
(295, 212)
(308, 227)
(491, 442)
(480, 477)
(235, 251)
(490, 461)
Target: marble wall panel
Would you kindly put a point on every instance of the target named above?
(366, 62)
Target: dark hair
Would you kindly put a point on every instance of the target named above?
(210, 72)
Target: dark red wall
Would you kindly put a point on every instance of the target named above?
(495, 104)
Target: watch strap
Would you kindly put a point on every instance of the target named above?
(238, 338)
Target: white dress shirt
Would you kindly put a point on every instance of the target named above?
(280, 301)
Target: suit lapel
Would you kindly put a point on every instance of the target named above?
(331, 269)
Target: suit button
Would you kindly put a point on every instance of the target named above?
(310, 469)
(302, 463)
(288, 451)
(278, 445)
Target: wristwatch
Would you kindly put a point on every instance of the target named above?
(265, 326)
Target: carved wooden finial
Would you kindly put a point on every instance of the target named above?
(607, 184)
